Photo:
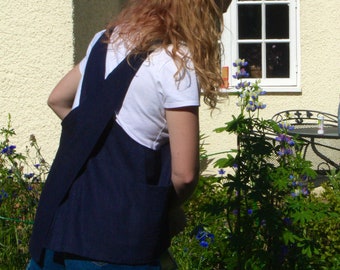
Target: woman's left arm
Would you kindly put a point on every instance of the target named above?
(183, 129)
(62, 96)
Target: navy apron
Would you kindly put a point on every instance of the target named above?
(106, 197)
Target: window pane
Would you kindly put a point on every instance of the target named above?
(277, 60)
(277, 21)
(251, 52)
(249, 20)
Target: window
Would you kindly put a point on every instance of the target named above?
(265, 33)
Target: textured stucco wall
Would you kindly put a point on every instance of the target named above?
(36, 49)
(42, 39)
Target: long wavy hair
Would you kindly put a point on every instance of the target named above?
(192, 26)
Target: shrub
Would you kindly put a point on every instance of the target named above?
(259, 211)
(21, 181)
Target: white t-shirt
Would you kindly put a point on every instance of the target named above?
(152, 90)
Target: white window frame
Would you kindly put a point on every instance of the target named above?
(230, 46)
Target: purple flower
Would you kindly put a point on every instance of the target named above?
(204, 244)
(288, 151)
(204, 238)
(221, 172)
(305, 191)
(3, 195)
(291, 142)
(28, 175)
(8, 150)
(287, 221)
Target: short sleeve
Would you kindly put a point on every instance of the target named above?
(178, 93)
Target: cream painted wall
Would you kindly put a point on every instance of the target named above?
(36, 50)
(41, 39)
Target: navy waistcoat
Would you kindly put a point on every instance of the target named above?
(106, 197)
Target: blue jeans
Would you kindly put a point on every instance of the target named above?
(49, 264)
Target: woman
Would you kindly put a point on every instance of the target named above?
(114, 191)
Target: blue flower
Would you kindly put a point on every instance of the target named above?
(204, 237)
(305, 191)
(291, 142)
(287, 221)
(3, 195)
(8, 150)
(28, 175)
(204, 244)
(221, 171)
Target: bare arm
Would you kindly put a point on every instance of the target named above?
(184, 144)
(62, 96)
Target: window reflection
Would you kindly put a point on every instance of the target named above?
(277, 60)
(252, 53)
(249, 21)
(277, 24)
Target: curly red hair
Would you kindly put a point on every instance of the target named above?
(145, 25)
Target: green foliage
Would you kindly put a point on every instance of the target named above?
(21, 180)
(260, 209)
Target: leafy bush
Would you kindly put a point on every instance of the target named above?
(21, 180)
(259, 213)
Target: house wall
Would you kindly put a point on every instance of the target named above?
(320, 67)
(41, 41)
(36, 50)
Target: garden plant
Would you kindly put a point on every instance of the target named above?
(21, 180)
(259, 211)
